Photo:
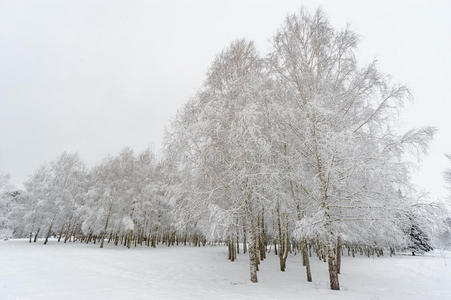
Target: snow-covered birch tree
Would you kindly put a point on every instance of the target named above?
(221, 131)
(345, 156)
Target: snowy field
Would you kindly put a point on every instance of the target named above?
(75, 271)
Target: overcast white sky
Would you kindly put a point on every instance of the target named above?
(95, 76)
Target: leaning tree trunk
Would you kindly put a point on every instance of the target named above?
(61, 232)
(48, 233)
(32, 228)
(36, 235)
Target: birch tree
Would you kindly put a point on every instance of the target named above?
(221, 130)
(345, 154)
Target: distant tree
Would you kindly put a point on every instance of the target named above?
(448, 175)
(20, 207)
(57, 190)
(37, 187)
(126, 199)
(6, 198)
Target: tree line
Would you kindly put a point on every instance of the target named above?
(294, 151)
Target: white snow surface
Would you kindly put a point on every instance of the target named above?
(80, 271)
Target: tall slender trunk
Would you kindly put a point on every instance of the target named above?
(338, 254)
(262, 236)
(232, 245)
(237, 240)
(244, 240)
(229, 247)
(258, 240)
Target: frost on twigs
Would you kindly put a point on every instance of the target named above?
(295, 150)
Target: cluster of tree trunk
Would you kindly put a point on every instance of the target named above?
(253, 238)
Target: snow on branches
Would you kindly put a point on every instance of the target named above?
(296, 149)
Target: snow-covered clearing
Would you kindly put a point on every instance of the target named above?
(80, 271)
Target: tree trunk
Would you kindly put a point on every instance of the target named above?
(252, 243)
(61, 233)
(68, 233)
(48, 233)
(36, 235)
(257, 241)
(262, 236)
(244, 240)
(130, 237)
(283, 242)
(106, 224)
(232, 244)
(338, 254)
(74, 232)
(256, 249)
(252, 254)
(306, 260)
(333, 275)
(229, 247)
(237, 241)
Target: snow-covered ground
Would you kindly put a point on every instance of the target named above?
(75, 271)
